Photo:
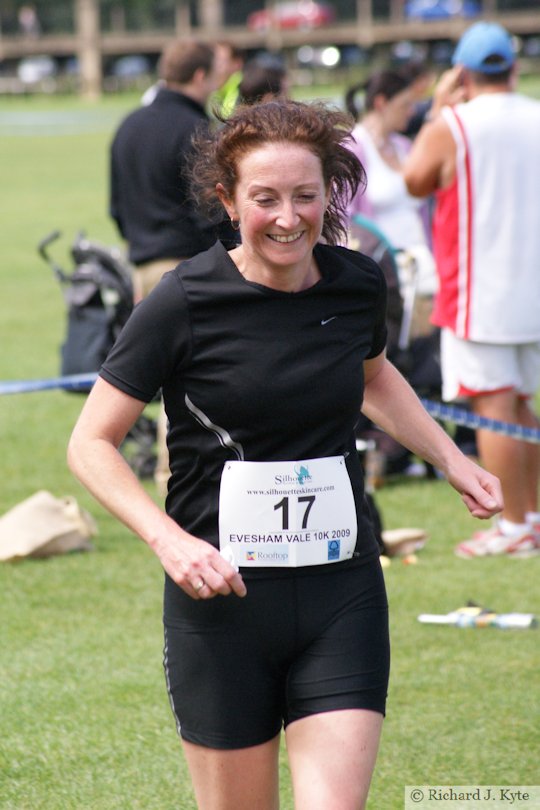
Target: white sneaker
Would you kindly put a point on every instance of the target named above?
(493, 542)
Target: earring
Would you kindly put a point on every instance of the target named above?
(235, 224)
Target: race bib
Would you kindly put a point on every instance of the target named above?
(287, 513)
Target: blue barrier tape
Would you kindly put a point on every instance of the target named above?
(72, 382)
(459, 416)
(447, 413)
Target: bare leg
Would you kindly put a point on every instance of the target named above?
(332, 757)
(243, 779)
(532, 455)
(514, 462)
(162, 472)
(146, 276)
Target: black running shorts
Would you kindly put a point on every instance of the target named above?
(237, 670)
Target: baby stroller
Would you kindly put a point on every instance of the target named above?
(99, 298)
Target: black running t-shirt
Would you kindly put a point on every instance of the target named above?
(251, 373)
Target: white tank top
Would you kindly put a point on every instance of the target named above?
(487, 224)
(394, 211)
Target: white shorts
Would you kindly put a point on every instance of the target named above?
(470, 368)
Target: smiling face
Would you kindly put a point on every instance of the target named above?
(280, 199)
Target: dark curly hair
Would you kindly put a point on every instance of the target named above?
(321, 129)
(387, 83)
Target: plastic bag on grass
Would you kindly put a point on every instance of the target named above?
(43, 525)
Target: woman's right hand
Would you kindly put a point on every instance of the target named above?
(94, 458)
(195, 565)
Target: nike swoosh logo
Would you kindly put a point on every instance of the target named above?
(327, 320)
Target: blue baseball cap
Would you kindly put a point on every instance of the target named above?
(482, 41)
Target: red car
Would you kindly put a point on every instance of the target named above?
(302, 15)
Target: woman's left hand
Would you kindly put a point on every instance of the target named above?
(480, 490)
(390, 402)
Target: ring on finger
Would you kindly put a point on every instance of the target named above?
(200, 585)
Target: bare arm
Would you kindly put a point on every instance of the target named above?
(423, 167)
(94, 458)
(391, 403)
(431, 162)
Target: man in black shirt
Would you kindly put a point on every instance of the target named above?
(149, 198)
(149, 154)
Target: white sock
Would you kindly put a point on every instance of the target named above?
(532, 518)
(510, 529)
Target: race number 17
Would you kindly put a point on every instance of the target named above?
(309, 500)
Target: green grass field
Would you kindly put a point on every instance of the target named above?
(84, 717)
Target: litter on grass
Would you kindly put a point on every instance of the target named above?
(473, 615)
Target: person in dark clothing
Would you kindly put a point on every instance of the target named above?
(275, 613)
(149, 196)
